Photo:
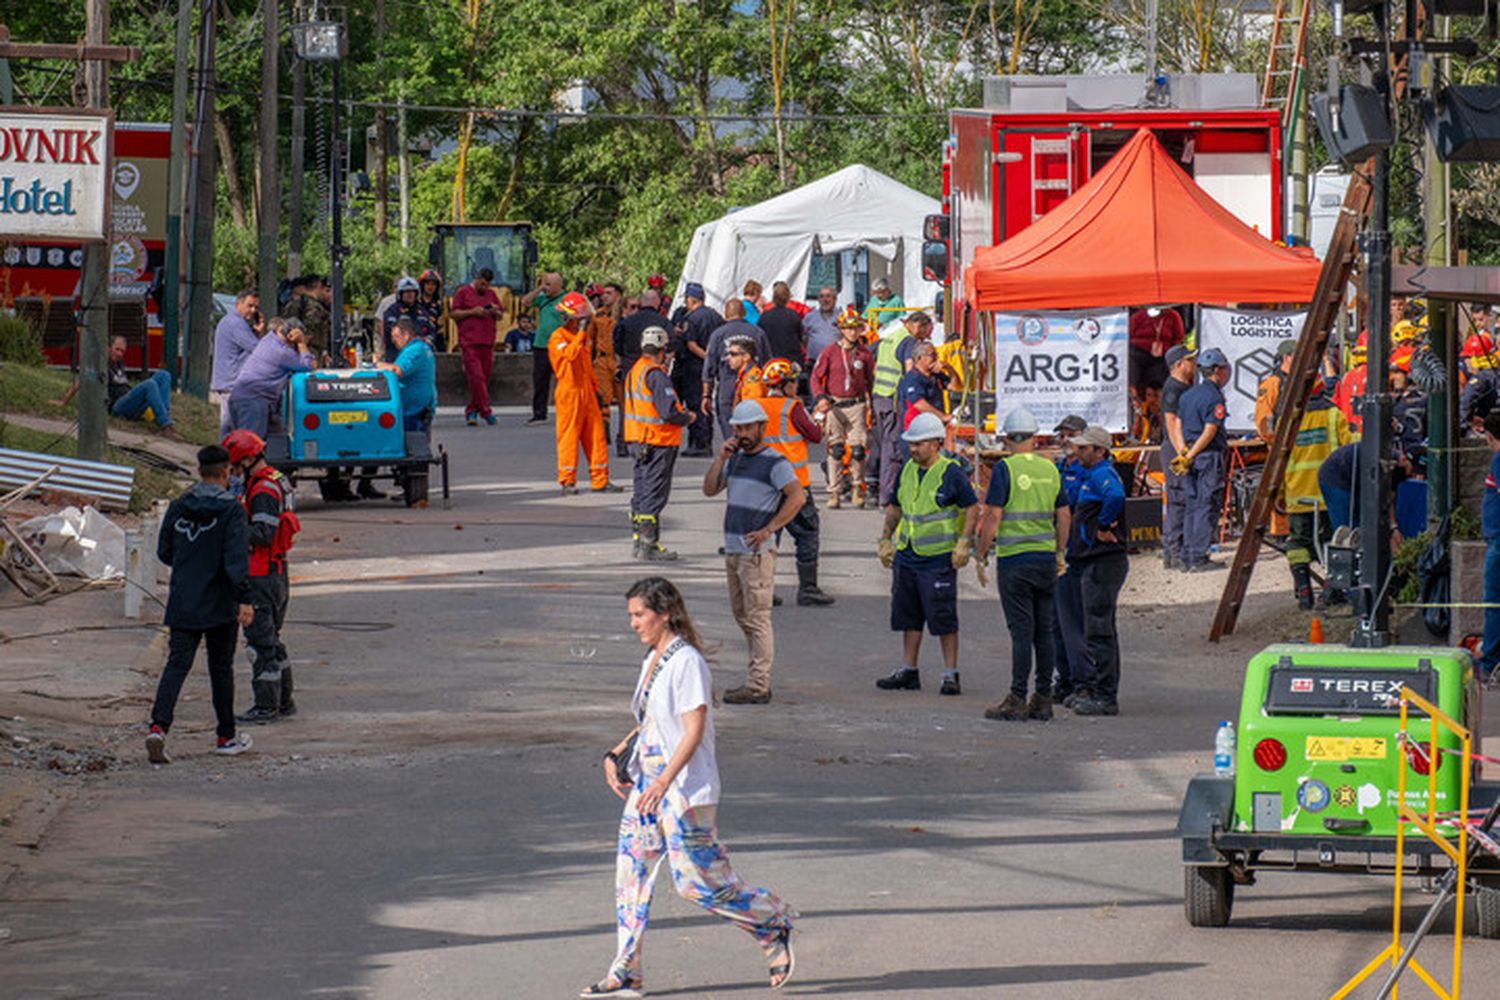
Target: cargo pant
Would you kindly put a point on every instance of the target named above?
(844, 430)
(752, 579)
(700, 870)
(270, 671)
(1174, 503)
(1204, 487)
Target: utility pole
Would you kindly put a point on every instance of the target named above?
(93, 354)
(171, 304)
(201, 261)
(1441, 412)
(1295, 140)
(382, 138)
(403, 168)
(1372, 612)
(268, 212)
(298, 157)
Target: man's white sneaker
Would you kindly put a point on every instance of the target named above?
(156, 747)
(235, 745)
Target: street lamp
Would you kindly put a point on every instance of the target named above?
(322, 38)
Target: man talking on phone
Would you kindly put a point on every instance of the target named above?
(476, 308)
(544, 298)
(764, 495)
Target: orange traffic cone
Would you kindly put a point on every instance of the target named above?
(1315, 631)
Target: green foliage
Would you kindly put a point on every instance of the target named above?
(20, 342)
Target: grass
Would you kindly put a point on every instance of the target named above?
(26, 389)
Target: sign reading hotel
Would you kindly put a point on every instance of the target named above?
(54, 174)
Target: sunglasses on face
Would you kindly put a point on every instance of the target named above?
(736, 354)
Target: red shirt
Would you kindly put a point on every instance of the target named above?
(478, 330)
(1155, 334)
(843, 374)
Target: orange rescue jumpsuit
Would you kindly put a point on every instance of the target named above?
(579, 422)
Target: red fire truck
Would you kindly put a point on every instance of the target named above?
(1039, 139)
(42, 281)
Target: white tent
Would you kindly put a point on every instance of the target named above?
(850, 209)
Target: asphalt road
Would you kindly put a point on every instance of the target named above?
(432, 825)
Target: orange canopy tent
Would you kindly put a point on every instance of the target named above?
(1139, 232)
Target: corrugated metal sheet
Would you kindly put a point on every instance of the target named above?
(110, 484)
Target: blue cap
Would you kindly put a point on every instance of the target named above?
(1212, 358)
(693, 290)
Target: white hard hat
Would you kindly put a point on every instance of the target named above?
(1020, 421)
(407, 284)
(653, 336)
(748, 412)
(925, 427)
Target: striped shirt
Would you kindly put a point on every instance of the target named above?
(755, 483)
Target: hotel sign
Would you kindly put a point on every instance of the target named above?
(54, 174)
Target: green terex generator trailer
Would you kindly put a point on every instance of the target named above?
(1317, 760)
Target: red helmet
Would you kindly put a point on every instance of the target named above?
(656, 281)
(430, 275)
(594, 290)
(243, 445)
(777, 371)
(1476, 345)
(573, 305)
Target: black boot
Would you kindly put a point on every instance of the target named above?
(808, 594)
(652, 549)
(287, 705)
(637, 549)
(267, 707)
(1302, 583)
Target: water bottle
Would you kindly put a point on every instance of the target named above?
(1224, 749)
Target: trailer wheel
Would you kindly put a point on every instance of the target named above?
(1208, 895)
(414, 489)
(1487, 908)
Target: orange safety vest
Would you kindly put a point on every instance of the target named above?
(747, 384)
(642, 423)
(268, 559)
(782, 436)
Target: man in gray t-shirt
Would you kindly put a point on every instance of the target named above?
(764, 495)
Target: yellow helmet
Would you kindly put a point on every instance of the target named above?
(1405, 332)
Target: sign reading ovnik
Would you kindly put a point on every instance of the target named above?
(54, 174)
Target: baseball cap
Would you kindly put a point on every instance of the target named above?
(1285, 348)
(1177, 353)
(1072, 422)
(748, 412)
(693, 290)
(1094, 435)
(924, 427)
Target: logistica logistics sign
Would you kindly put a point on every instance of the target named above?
(54, 174)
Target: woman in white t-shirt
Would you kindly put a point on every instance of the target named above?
(672, 797)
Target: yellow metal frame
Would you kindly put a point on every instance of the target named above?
(1458, 852)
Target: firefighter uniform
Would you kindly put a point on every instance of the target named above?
(783, 437)
(273, 529)
(654, 419)
(1323, 430)
(580, 424)
(1203, 484)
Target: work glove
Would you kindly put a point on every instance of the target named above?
(982, 569)
(1181, 464)
(887, 550)
(962, 550)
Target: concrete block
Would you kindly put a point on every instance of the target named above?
(1467, 569)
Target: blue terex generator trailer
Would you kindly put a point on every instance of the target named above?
(343, 421)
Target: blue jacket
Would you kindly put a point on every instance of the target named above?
(1100, 504)
(1072, 479)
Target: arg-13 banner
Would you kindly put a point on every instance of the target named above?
(1248, 338)
(1060, 363)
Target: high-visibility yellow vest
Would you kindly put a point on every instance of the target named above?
(1027, 524)
(1321, 432)
(888, 370)
(782, 436)
(928, 529)
(642, 423)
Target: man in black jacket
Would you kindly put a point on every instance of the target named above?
(205, 538)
